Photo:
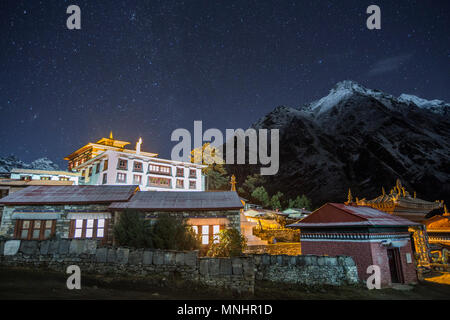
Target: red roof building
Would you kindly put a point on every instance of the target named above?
(368, 235)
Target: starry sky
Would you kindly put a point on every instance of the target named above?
(144, 68)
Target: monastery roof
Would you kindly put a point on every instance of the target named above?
(181, 200)
(25, 183)
(339, 214)
(42, 195)
(48, 172)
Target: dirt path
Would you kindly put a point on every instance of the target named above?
(21, 283)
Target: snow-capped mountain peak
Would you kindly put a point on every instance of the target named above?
(435, 105)
(11, 162)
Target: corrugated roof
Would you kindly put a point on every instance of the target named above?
(181, 200)
(369, 217)
(69, 195)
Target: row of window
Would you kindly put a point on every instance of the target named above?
(152, 181)
(44, 229)
(209, 234)
(92, 229)
(28, 178)
(159, 169)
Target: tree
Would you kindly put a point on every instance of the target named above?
(275, 201)
(231, 244)
(171, 233)
(300, 202)
(261, 196)
(132, 230)
(250, 184)
(215, 173)
(167, 232)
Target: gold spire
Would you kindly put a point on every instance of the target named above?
(233, 183)
(111, 135)
(446, 213)
(383, 191)
(349, 196)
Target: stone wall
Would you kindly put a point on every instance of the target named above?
(288, 248)
(236, 274)
(307, 270)
(281, 235)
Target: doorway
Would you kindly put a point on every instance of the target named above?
(395, 265)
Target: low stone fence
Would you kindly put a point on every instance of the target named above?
(281, 235)
(307, 270)
(280, 248)
(236, 274)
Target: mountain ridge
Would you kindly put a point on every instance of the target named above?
(363, 139)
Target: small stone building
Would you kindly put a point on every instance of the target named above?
(89, 212)
(207, 212)
(64, 212)
(368, 235)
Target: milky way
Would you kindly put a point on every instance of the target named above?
(145, 68)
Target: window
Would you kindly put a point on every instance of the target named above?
(159, 169)
(87, 228)
(180, 183)
(105, 178)
(34, 229)
(97, 168)
(90, 171)
(45, 178)
(137, 166)
(26, 178)
(63, 179)
(159, 182)
(192, 173)
(105, 165)
(122, 164)
(137, 179)
(121, 177)
(195, 228)
(216, 230)
(192, 184)
(205, 234)
(180, 172)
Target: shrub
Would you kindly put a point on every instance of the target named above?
(167, 232)
(231, 244)
(133, 230)
(174, 234)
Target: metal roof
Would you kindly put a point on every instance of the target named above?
(181, 201)
(69, 195)
(367, 217)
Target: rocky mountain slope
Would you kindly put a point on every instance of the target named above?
(10, 162)
(363, 139)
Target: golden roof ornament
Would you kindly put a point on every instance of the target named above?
(383, 191)
(446, 213)
(233, 183)
(349, 197)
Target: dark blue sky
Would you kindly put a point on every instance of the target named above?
(145, 68)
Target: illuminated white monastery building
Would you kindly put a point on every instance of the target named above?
(108, 162)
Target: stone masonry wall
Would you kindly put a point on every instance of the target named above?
(236, 274)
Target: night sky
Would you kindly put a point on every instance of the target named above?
(145, 68)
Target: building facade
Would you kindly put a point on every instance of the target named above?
(369, 236)
(90, 212)
(44, 175)
(107, 162)
(64, 212)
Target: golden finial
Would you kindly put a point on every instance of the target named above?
(111, 135)
(445, 211)
(403, 192)
(233, 183)
(414, 194)
(383, 191)
(349, 197)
